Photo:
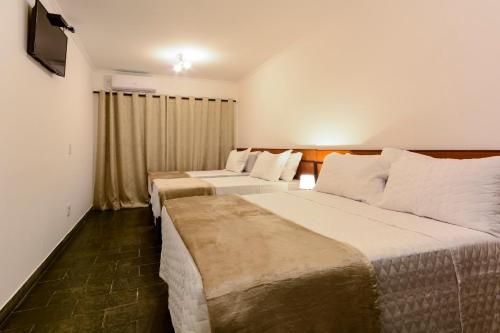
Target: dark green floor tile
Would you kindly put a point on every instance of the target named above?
(128, 248)
(135, 282)
(150, 259)
(45, 289)
(106, 280)
(89, 321)
(121, 316)
(91, 304)
(120, 298)
(33, 302)
(159, 290)
(152, 307)
(28, 329)
(100, 286)
(38, 316)
(104, 270)
(127, 270)
(160, 323)
(66, 297)
(53, 275)
(150, 251)
(127, 328)
(72, 262)
(57, 327)
(114, 257)
(151, 269)
(78, 323)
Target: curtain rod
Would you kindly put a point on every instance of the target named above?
(170, 97)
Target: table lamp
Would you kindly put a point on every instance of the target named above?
(307, 182)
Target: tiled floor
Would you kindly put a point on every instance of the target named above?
(106, 280)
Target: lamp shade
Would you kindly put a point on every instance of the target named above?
(307, 182)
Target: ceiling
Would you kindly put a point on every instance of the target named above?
(224, 39)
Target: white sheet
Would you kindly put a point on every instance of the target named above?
(383, 232)
(207, 174)
(230, 185)
(380, 234)
(216, 173)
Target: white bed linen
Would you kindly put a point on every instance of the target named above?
(207, 174)
(216, 173)
(380, 234)
(229, 185)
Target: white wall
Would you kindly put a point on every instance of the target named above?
(40, 115)
(413, 74)
(177, 85)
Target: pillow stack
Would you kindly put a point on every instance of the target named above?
(274, 167)
(461, 192)
(391, 155)
(270, 166)
(358, 177)
(252, 158)
(291, 167)
(237, 160)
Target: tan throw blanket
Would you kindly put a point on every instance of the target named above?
(263, 273)
(184, 187)
(152, 175)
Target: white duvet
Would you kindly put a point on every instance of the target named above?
(392, 241)
(229, 185)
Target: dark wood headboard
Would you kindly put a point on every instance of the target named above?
(457, 154)
(312, 159)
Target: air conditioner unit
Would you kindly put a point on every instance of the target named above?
(132, 83)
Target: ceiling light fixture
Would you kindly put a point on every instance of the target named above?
(182, 64)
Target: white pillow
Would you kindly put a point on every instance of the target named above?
(391, 155)
(291, 167)
(461, 192)
(252, 158)
(358, 177)
(237, 160)
(269, 166)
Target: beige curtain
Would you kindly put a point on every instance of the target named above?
(137, 134)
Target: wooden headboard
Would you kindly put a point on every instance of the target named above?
(312, 159)
(457, 154)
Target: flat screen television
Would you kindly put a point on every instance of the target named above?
(47, 43)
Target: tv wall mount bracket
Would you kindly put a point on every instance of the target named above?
(58, 21)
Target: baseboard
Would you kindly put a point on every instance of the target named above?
(26, 287)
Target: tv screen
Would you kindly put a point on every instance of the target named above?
(47, 43)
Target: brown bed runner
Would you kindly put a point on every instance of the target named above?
(263, 273)
(184, 187)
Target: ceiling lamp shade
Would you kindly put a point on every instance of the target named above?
(181, 65)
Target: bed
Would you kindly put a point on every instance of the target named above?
(196, 174)
(227, 185)
(431, 276)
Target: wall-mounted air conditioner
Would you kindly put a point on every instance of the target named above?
(132, 83)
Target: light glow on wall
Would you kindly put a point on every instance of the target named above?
(334, 136)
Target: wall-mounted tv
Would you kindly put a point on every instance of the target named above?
(47, 43)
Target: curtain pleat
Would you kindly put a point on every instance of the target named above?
(137, 134)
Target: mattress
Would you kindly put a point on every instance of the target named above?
(207, 174)
(230, 185)
(416, 260)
